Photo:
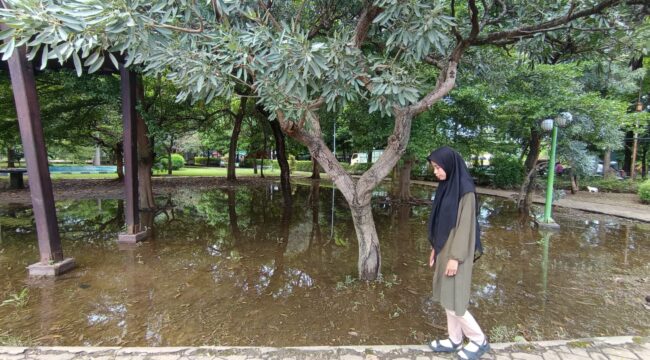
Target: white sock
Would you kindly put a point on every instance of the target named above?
(447, 343)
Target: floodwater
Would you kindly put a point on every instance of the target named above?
(233, 267)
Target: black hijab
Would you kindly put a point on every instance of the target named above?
(444, 209)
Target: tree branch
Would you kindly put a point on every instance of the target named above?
(368, 14)
(264, 7)
(446, 81)
(498, 37)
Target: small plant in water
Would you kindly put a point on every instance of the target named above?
(396, 313)
(341, 285)
(18, 300)
(502, 333)
(8, 340)
(390, 281)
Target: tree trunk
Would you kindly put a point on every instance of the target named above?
(607, 159)
(369, 264)
(644, 161)
(169, 157)
(315, 171)
(404, 187)
(119, 160)
(234, 137)
(528, 186)
(254, 166)
(627, 162)
(145, 155)
(358, 194)
(574, 181)
(280, 146)
(11, 156)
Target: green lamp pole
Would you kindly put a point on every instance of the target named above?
(552, 125)
(551, 178)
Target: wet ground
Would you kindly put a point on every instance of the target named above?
(232, 267)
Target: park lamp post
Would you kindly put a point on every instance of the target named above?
(552, 125)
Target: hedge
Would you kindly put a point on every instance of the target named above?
(508, 172)
(205, 161)
(644, 192)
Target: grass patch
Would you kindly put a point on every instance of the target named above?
(579, 344)
(18, 300)
(8, 340)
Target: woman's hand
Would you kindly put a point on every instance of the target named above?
(432, 257)
(452, 267)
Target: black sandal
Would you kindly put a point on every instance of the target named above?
(474, 355)
(437, 346)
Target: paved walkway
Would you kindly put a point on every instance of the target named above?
(622, 209)
(611, 348)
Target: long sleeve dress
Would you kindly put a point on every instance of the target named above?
(453, 291)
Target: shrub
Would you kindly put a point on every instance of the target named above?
(177, 162)
(483, 175)
(200, 160)
(358, 169)
(508, 172)
(644, 192)
(304, 165)
(292, 163)
(247, 163)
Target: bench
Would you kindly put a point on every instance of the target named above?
(15, 177)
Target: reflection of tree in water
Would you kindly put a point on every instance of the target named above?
(90, 220)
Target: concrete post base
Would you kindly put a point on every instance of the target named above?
(55, 269)
(133, 238)
(552, 225)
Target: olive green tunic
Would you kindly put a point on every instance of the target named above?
(453, 291)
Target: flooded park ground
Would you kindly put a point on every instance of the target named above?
(231, 266)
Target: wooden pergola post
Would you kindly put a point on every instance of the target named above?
(52, 262)
(134, 232)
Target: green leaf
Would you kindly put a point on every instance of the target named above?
(113, 60)
(44, 56)
(96, 65)
(6, 33)
(77, 63)
(7, 49)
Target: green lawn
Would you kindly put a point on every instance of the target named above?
(191, 171)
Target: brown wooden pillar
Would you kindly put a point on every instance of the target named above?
(52, 262)
(134, 233)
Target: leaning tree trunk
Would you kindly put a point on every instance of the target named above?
(526, 192)
(315, 171)
(234, 137)
(145, 155)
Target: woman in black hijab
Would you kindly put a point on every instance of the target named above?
(454, 235)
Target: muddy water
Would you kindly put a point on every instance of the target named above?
(233, 267)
